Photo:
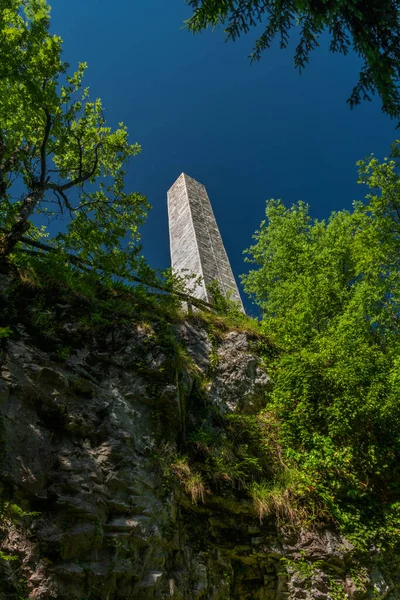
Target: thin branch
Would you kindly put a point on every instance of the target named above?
(43, 147)
(83, 264)
(78, 180)
(80, 153)
(59, 202)
(66, 201)
(71, 257)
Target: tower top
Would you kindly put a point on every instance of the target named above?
(196, 243)
(184, 176)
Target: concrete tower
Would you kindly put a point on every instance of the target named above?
(196, 244)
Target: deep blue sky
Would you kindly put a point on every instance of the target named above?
(196, 104)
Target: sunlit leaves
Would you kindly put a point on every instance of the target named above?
(55, 143)
(330, 297)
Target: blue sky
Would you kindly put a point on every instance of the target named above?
(196, 104)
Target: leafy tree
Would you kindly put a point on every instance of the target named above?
(330, 296)
(58, 156)
(369, 27)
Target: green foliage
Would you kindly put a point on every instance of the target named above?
(5, 332)
(7, 557)
(11, 513)
(329, 293)
(56, 146)
(181, 282)
(223, 304)
(230, 456)
(47, 289)
(305, 568)
(227, 313)
(213, 356)
(191, 481)
(371, 29)
(287, 497)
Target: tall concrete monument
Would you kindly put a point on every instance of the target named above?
(196, 244)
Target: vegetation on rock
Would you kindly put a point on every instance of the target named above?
(317, 444)
(329, 293)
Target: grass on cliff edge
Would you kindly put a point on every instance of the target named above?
(248, 462)
(109, 298)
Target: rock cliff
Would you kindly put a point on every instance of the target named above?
(93, 505)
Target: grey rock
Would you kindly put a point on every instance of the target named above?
(239, 381)
(151, 578)
(85, 443)
(4, 391)
(380, 586)
(197, 343)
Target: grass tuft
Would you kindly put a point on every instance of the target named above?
(191, 482)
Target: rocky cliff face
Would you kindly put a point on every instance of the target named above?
(88, 509)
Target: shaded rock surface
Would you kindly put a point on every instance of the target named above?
(239, 382)
(81, 439)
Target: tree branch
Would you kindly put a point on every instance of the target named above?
(80, 153)
(65, 198)
(85, 264)
(43, 147)
(21, 224)
(78, 180)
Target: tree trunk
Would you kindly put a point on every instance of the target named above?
(21, 224)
